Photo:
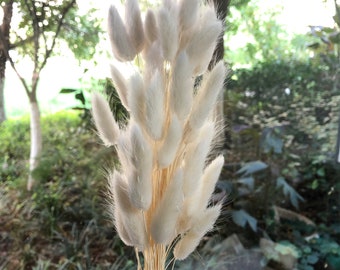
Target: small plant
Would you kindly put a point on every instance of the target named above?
(159, 196)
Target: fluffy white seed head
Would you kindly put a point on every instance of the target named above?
(169, 147)
(207, 95)
(153, 60)
(169, 4)
(155, 114)
(121, 230)
(195, 156)
(128, 220)
(121, 44)
(114, 212)
(120, 84)
(150, 26)
(203, 41)
(124, 151)
(188, 13)
(136, 98)
(163, 225)
(168, 32)
(166, 120)
(206, 220)
(118, 187)
(134, 24)
(140, 181)
(181, 86)
(209, 179)
(106, 125)
(188, 243)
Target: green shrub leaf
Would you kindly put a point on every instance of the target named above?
(252, 167)
(247, 181)
(289, 191)
(241, 218)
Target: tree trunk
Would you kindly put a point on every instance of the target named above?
(3, 60)
(4, 47)
(36, 140)
(2, 98)
(221, 7)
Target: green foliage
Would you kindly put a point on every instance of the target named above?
(254, 35)
(242, 218)
(107, 88)
(316, 246)
(289, 191)
(283, 119)
(82, 33)
(39, 22)
(297, 100)
(84, 106)
(252, 167)
(62, 223)
(13, 149)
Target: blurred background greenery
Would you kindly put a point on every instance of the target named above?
(280, 180)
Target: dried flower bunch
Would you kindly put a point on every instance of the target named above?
(159, 195)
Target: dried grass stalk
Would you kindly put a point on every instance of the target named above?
(158, 195)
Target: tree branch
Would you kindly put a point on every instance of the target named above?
(21, 42)
(36, 33)
(9, 58)
(5, 49)
(59, 26)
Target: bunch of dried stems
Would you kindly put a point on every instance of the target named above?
(159, 195)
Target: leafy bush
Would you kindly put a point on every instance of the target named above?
(283, 119)
(62, 223)
(14, 148)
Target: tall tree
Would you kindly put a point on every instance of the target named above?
(7, 11)
(43, 22)
(222, 7)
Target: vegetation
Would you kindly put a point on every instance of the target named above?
(42, 25)
(280, 180)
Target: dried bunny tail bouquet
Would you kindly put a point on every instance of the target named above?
(159, 195)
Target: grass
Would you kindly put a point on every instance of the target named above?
(62, 223)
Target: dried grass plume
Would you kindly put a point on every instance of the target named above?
(158, 196)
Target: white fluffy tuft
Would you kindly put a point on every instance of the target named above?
(134, 24)
(121, 86)
(169, 147)
(150, 26)
(188, 243)
(106, 125)
(168, 31)
(209, 179)
(188, 13)
(128, 220)
(155, 114)
(140, 181)
(207, 95)
(203, 41)
(163, 225)
(181, 86)
(121, 44)
(195, 156)
(136, 98)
